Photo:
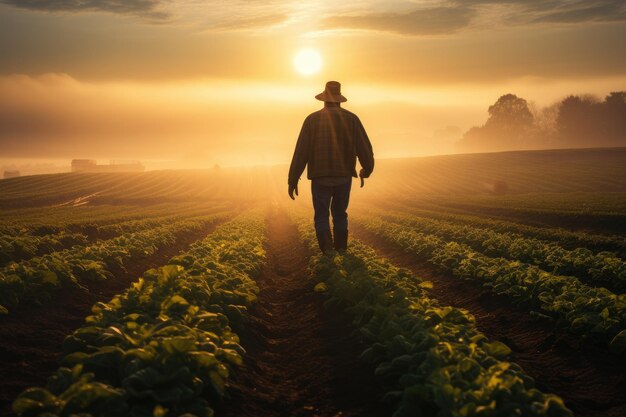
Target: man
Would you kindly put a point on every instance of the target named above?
(330, 141)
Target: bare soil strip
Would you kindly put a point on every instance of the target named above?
(591, 380)
(31, 336)
(302, 359)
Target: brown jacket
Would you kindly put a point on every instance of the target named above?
(330, 141)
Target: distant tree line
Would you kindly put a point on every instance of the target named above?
(574, 122)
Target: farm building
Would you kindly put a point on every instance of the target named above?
(11, 174)
(90, 165)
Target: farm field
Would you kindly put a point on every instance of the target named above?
(475, 285)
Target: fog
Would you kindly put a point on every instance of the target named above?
(54, 118)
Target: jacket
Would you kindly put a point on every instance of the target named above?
(329, 143)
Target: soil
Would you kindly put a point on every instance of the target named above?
(590, 379)
(31, 336)
(302, 358)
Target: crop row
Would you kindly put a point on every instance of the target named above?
(587, 311)
(108, 231)
(600, 269)
(36, 279)
(564, 237)
(49, 220)
(54, 220)
(165, 346)
(17, 248)
(431, 358)
(600, 219)
(593, 203)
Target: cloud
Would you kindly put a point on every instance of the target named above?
(237, 15)
(255, 22)
(423, 21)
(147, 9)
(572, 11)
(58, 116)
(450, 17)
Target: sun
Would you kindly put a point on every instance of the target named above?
(307, 61)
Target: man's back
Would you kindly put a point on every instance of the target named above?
(329, 142)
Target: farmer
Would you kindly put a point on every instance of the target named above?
(330, 141)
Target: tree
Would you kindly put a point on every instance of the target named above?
(510, 126)
(510, 113)
(614, 118)
(576, 122)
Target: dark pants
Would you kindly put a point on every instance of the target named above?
(334, 197)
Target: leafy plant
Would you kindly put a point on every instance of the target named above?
(165, 346)
(587, 311)
(36, 279)
(432, 358)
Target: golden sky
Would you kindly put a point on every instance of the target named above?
(205, 82)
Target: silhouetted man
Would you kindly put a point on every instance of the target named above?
(330, 141)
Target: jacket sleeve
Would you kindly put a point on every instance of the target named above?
(301, 154)
(364, 150)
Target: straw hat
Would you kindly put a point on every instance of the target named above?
(332, 93)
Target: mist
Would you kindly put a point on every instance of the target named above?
(47, 120)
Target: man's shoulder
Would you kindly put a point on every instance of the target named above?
(348, 113)
(314, 115)
(345, 113)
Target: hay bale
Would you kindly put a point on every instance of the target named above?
(500, 187)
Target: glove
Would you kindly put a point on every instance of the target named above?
(293, 188)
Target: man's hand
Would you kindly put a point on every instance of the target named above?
(293, 188)
(361, 177)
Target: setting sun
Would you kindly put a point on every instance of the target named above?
(307, 61)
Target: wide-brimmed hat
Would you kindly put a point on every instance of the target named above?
(332, 93)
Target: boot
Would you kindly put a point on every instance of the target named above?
(325, 240)
(341, 240)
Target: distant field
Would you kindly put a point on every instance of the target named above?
(486, 284)
(471, 176)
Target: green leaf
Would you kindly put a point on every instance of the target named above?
(159, 411)
(618, 344)
(233, 357)
(180, 344)
(496, 349)
(49, 277)
(604, 313)
(175, 304)
(107, 360)
(97, 399)
(555, 407)
(147, 377)
(169, 271)
(34, 401)
(145, 354)
(427, 285)
(74, 359)
(218, 382)
(204, 359)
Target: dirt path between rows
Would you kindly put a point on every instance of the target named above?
(302, 359)
(590, 379)
(31, 337)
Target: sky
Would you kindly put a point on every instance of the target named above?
(190, 83)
